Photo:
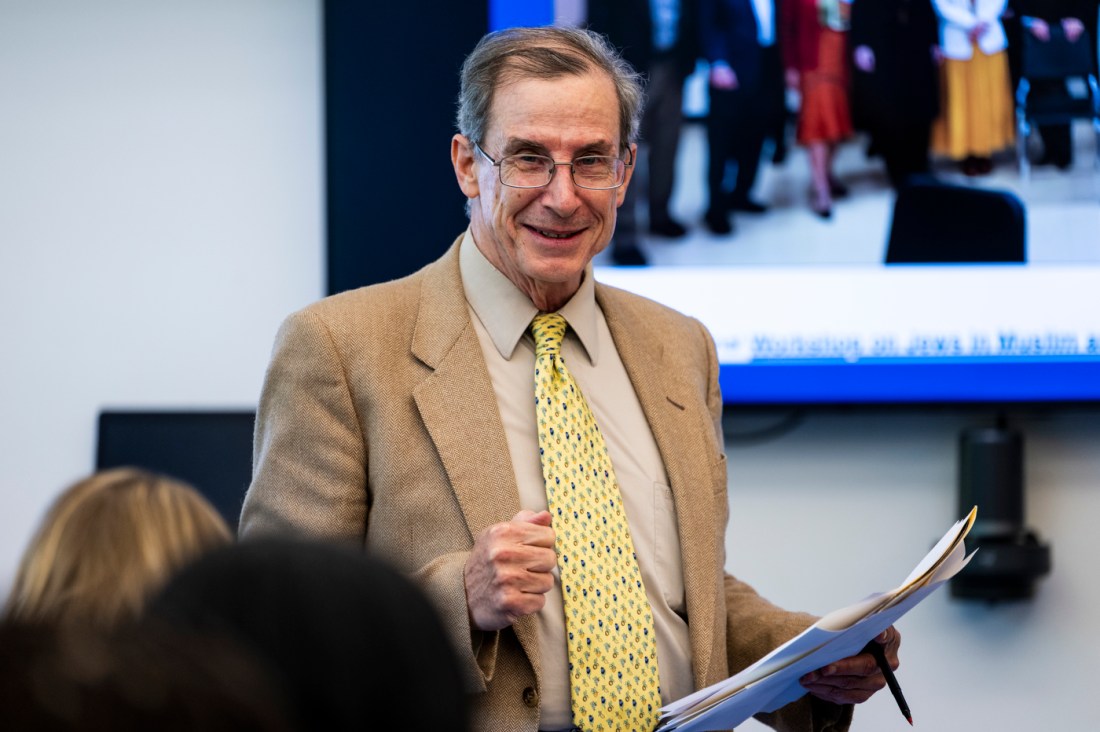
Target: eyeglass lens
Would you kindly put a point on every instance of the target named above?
(533, 171)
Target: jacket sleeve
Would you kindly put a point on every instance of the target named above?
(870, 21)
(957, 13)
(788, 34)
(755, 626)
(310, 475)
(714, 32)
(309, 455)
(990, 11)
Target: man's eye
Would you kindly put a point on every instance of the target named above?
(528, 162)
(591, 161)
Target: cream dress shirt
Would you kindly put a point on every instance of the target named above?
(501, 315)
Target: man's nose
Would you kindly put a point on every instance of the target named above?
(560, 193)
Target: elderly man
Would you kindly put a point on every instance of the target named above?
(579, 569)
(660, 39)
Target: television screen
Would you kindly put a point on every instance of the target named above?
(806, 312)
(212, 451)
(850, 334)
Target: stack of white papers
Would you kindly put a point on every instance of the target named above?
(772, 681)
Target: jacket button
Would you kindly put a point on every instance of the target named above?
(530, 697)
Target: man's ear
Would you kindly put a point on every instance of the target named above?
(621, 193)
(462, 157)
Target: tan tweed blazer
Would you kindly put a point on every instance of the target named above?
(378, 426)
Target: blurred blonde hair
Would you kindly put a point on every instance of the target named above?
(107, 543)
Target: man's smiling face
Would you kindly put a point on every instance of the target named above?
(543, 238)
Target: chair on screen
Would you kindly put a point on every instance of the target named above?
(1057, 85)
(937, 222)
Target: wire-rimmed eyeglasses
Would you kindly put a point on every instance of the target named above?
(527, 170)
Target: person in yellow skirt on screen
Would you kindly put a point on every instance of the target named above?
(977, 113)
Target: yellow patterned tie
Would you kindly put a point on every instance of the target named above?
(614, 684)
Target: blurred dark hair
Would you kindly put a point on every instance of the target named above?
(353, 643)
(56, 678)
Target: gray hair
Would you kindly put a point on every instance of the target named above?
(546, 52)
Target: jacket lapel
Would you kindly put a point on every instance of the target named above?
(667, 403)
(459, 409)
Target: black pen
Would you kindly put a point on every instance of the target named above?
(877, 650)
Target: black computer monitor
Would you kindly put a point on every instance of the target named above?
(210, 450)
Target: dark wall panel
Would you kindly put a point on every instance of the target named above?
(210, 450)
(391, 78)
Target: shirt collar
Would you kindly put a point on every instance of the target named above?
(506, 312)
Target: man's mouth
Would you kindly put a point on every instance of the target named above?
(554, 234)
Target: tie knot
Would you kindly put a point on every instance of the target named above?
(549, 330)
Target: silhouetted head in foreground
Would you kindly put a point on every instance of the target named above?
(107, 543)
(354, 644)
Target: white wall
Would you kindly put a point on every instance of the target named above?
(845, 506)
(160, 212)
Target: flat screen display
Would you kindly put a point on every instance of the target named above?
(809, 313)
(892, 334)
(211, 451)
(799, 325)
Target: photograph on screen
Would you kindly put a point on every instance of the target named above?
(978, 288)
(951, 300)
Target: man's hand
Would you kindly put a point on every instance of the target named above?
(854, 679)
(1073, 28)
(978, 31)
(1039, 29)
(864, 58)
(723, 77)
(507, 575)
